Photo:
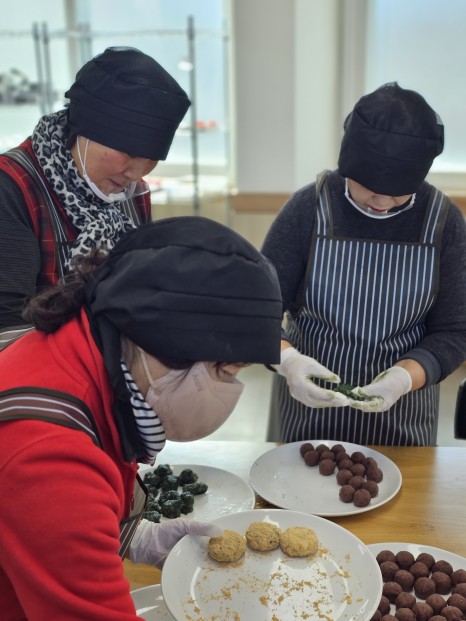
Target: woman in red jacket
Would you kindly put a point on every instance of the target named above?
(134, 347)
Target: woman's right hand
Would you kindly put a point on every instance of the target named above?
(299, 371)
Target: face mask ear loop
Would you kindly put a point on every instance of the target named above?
(145, 366)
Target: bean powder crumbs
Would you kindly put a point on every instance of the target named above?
(313, 599)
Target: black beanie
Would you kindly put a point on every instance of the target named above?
(125, 100)
(391, 138)
(189, 288)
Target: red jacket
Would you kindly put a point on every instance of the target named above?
(62, 497)
(139, 212)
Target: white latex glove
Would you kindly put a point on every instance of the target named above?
(152, 542)
(298, 370)
(385, 390)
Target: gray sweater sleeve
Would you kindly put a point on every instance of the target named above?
(19, 253)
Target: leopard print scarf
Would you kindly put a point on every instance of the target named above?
(99, 224)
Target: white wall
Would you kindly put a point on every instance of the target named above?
(286, 78)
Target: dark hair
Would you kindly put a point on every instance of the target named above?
(57, 305)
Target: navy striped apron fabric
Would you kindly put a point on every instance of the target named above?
(366, 302)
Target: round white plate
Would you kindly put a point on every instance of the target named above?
(226, 493)
(282, 478)
(150, 605)
(342, 582)
(456, 561)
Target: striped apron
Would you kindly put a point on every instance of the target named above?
(366, 303)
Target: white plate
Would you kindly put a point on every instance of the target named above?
(342, 582)
(456, 561)
(282, 478)
(226, 493)
(150, 605)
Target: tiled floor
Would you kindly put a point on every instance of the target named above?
(249, 419)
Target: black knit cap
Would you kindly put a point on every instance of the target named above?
(190, 288)
(125, 100)
(391, 138)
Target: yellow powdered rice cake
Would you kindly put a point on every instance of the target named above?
(227, 548)
(263, 536)
(299, 541)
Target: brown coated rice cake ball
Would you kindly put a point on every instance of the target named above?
(419, 570)
(389, 618)
(436, 602)
(405, 600)
(358, 470)
(227, 548)
(343, 476)
(405, 578)
(442, 582)
(358, 457)
(388, 570)
(443, 566)
(311, 458)
(327, 467)
(459, 601)
(321, 448)
(385, 555)
(384, 605)
(356, 482)
(361, 498)
(299, 541)
(374, 474)
(391, 590)
(423, 587)
(340, 456)
(263, 536)
(451, 613)
(327, 455)
(426, 558)
(346, 493)
(404, 559)
(345, 464)
(460, 588)
(377, 616)
(307, 446)
(437, 618)
(337, 448)
(371, 487)
(458, 577)
(422, 611)
(405, 614)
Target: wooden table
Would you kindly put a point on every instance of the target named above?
(429, 509)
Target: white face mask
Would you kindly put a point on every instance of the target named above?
(379, 215)
(107, 198)
(190, 404)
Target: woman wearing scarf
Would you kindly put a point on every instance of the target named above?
(76, 183)
(131, 349)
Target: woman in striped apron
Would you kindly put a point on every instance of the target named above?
(371, 262)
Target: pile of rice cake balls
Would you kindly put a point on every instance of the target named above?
(357, 475)
(296, 541)
(420, 588)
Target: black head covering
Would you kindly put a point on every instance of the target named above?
(125, 100)
(186, 288)
(391, 138)
(190, 288)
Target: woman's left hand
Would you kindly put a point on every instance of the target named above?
(152, 542)
(383, 391)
